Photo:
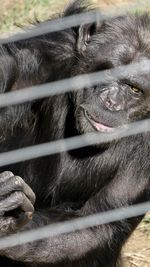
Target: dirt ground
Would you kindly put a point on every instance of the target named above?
(136, 252)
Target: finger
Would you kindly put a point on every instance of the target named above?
(25, 188)
(9, 184)
(10, 224)
(14, 201)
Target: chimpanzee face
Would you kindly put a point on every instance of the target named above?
(109, 105)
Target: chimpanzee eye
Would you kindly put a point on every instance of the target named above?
(136, 90)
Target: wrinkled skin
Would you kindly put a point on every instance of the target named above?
(84, 181)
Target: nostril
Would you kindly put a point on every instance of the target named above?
(112, 105)
(118, 107)
(108, 103)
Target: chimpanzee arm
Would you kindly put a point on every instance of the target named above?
(107, 239)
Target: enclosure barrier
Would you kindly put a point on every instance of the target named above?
(75, 83)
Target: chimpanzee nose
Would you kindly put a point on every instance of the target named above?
(111, 100)
(112, 105)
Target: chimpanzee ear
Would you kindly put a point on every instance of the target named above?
(85, 34)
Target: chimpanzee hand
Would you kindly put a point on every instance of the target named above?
(16, 203)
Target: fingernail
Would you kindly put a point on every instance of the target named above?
(30, 215)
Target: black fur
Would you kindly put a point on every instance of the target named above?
(83, 181)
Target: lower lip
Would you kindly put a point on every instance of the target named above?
(99, 126)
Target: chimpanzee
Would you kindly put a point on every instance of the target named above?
(83, 181)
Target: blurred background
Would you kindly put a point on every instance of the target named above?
(21, 12)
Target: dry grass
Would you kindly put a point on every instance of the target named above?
(21, 12)
(136, 252)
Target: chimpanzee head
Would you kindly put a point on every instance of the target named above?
(102, 47)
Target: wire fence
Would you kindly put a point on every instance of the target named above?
(59, 87)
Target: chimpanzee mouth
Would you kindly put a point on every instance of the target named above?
(100, 127)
